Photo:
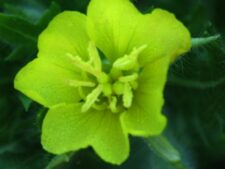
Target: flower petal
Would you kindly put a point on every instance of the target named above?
(144, 118)
(111, 25)
(66, 129)
(117, 27)
(110, 141)
(47, 83)
(65, 34)
(163, 34)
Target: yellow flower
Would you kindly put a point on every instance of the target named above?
(102, 76)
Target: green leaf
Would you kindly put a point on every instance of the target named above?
(15, 30)
(196, 84)
(58, 160)
(198, 42)
(25, 49)
(30, 11)
(25, 101)
(161, 146)
(21, 51)
(164, 149)
(48, 15)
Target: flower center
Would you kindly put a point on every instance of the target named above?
(112, 90)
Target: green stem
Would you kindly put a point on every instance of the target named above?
(173, 80)
(58, 160)
(197, 42)
(164, 149)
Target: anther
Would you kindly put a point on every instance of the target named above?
(82, 65)
(91, 98)
(107, 89)
(113, 104)
(118, 88)
(128, 62)
(128, 78)
(94, 56)
(127, 96)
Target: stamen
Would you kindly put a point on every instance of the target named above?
(91, 98)
(115, 73)
(136, 51)
(125, 63)
(101, 106)
(134, 85)
(113, 105)
(127, 95)
(118, 88)
(79, 63)
(79, 83)
(107, 89)
(128, 78)
(128, 62)
(112, 87)
(94, 56)
(103, 78)
(81, 92)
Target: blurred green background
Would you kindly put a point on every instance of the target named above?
(194, 94)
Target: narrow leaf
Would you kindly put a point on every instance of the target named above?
(58, 160)
(164, 149)
(15, 30)
(197, 42)
(53, 10)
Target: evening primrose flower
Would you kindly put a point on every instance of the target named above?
(102, 76)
